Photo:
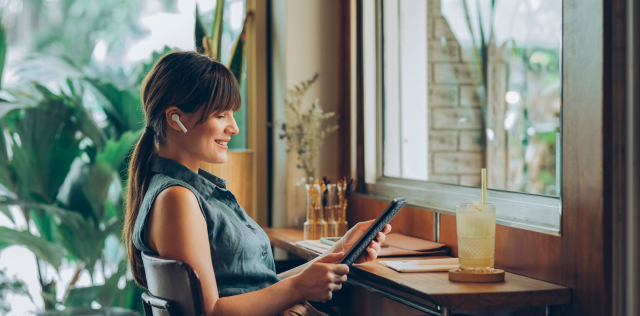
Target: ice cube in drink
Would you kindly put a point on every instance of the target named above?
(476, 225)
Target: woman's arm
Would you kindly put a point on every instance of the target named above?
(177, 230)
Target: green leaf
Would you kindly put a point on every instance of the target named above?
(43, 249)
(116, 151)
(216, 31)
(96, 186)
(3, 51)
(237, 58)
(5, 210)
(6, 176)
(200, 32)
(122, 107)
(110, 288)
(82, 296)
(44, 144)
(47, 68)
(85, 240)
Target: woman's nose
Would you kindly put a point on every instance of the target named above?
(232, 128)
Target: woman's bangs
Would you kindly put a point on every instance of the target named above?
(225, 93)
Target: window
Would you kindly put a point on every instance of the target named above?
(454, 86)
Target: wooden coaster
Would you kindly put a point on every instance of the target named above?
(496, 276)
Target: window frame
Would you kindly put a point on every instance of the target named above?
(532, 212)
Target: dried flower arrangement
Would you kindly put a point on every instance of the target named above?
(303, 130)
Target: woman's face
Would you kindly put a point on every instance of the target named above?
(207, 141)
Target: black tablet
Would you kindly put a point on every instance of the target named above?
(385, 217)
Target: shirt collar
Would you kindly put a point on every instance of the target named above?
(202, 181)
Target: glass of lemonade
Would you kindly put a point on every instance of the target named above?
(476, 225)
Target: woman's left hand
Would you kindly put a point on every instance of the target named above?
(350, 238)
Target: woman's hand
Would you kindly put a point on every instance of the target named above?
(350, 238)
(317, 282)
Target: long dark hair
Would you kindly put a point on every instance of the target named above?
(188, 81)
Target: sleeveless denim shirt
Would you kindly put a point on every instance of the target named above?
(240, 249)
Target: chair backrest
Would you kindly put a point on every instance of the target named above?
(173, 283)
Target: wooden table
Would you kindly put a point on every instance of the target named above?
(432, 292)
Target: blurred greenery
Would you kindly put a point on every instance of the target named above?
(68, 128)
(66, 173)
(13, 286)
(71, 28)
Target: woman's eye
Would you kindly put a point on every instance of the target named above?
(221, 116)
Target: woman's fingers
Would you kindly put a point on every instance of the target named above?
(372, 253)
(340, 279)
(341, 269)
(376, 246)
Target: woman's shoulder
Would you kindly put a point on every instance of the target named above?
(167, 191)
(160, 182)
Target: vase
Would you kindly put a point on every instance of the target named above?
(315, 226)
(300, 209)
(329, 211)
(340, 211)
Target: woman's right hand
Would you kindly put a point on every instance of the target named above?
(317, 281)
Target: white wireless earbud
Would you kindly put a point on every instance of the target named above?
(176, 118)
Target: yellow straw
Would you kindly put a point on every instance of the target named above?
(484, 186)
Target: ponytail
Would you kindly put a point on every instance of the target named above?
(138, 183)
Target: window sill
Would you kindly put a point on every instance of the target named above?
(518, 210)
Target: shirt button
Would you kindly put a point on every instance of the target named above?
(249, 226)
(264, 253)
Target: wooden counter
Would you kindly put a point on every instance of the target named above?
(433, 290)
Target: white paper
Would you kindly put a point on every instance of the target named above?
(429, 265)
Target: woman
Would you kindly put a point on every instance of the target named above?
(178, 211)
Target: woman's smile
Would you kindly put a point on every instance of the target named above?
(222, 143)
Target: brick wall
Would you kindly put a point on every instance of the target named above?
(456, 124)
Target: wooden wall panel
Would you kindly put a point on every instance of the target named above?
(409, 221)
(528, 253)
(238, 171)
(448, 233)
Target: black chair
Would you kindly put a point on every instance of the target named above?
(174, 288)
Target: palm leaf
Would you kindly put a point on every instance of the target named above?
(216, 30)
(44, 144)
(237, 54)
(122, 107)
(3, 51)
(116, 153)
(43, 249)
(200, 32)
(44, 69)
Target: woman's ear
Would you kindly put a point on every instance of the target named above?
(175, 118)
